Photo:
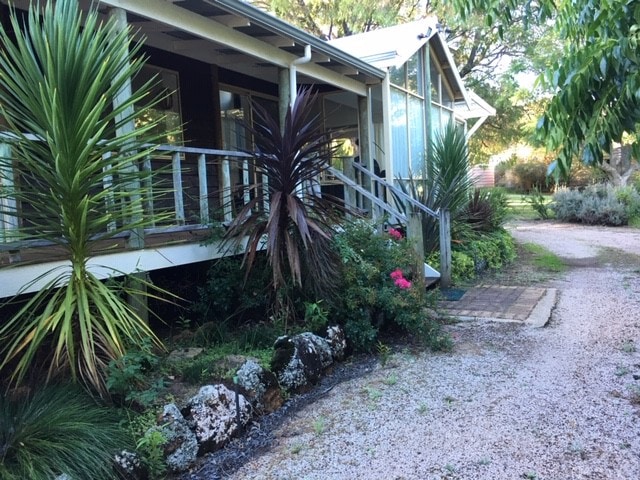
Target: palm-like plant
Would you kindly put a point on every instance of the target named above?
(77, 179)
(298, 225)
(443, 181)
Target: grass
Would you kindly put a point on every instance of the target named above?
(545, 259)
(519, 209)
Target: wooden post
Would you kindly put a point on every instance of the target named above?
(226, 194)
(414, 234)
(203, 189)
(176, 168)
(445, 248)
(366, 160)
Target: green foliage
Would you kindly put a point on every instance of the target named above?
(596, 205)
(539, 203)
(57, 430)
(369, 298)
(228, 294)
(595, 80)
(297, 228)
(443, 182)
(486, 210)
(59, 72)
(130, 378)
(477, 253)
(316, 317)
(530, 174)
(149, 442)
(151, 448)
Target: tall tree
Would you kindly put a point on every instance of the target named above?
(596, 81)
(339, 18)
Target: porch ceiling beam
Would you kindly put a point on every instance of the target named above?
(232, 21)
(208, 29)
(278, 41)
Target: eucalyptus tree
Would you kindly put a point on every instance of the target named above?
(59, 73)
(595, 82)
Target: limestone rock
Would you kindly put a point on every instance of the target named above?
(300, 359)
(181, 448)
(261, 386)
(129, 466)
(337, 342)
(184, 354)
(212, 416)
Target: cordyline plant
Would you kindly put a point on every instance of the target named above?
(76, 179)
(298, 225)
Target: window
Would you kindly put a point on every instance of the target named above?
(166, 83)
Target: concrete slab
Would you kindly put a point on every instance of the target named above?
(527, 305)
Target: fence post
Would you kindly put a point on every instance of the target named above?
(445, 248)
(414, 233)
(203, 189)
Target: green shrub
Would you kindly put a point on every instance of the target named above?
(529, 174)
(596, 205)
(487, 209)
(130, 378)
(226, 294)
(539, 203)
(57, 430)
(369, 299)
(462, 266)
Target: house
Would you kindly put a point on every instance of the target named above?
(217, 56)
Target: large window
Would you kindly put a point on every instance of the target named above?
(408, 109)
(441, 99)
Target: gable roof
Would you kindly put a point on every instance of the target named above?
(394, 46)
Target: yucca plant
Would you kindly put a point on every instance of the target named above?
(77, 183)
(298, 225)
(442, 182)
(54, 431)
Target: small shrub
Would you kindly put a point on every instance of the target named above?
(529, 173)
(539, 203)
(57, 430)
(487, 209)
(129, 378)
(596, 205)
(379, 287)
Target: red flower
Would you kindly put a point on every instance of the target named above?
(395, 234)
(396, 274)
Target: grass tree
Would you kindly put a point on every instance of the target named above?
(298, 225)
(76, 180)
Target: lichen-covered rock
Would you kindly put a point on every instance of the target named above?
(181, 447)
(212, 416)
(337, 342)
(129, 466)
(261, 386)
(300, 359)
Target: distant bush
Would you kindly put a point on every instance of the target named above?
(597, 205)
(530, 174)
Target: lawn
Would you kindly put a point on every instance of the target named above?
(521, 209)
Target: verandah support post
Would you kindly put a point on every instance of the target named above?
(445, 248)
(349, 194)
(138, 301)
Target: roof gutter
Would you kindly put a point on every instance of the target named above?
(270, 22)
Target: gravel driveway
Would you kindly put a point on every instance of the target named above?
(509, 402)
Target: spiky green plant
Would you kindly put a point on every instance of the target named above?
(442, 182)
(57, 430)
(298, 225)
(77, 179)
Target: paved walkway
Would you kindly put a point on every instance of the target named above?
(530, 305)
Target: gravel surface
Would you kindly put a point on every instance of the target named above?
(509, 402)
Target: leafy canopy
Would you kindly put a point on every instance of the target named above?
(597, 79)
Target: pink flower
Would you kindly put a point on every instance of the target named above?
(403, 283)
(396, 274)
(395, 234)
